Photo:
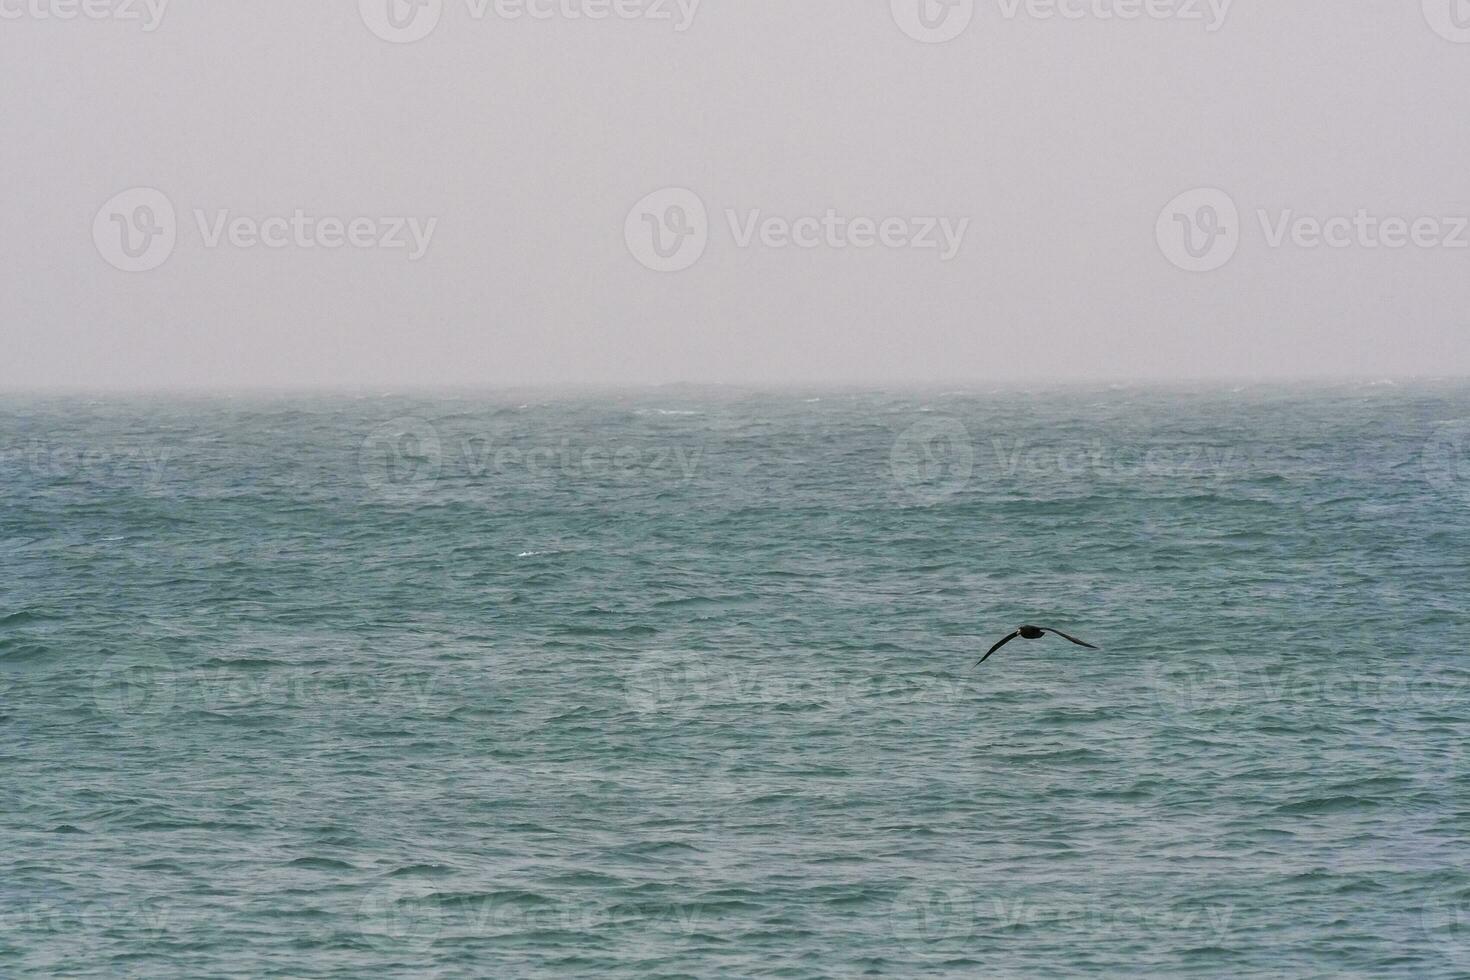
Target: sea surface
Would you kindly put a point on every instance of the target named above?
(680, 682)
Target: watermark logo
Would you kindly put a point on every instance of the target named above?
(401, 21)
(663, 682)
(401, 915)
(149, 13)
(729, 780)
(933, 21)
(1450, 19)
(932, 920)
(1199, 231)
(1446, 459)
(401, 458)
(133, 688)
(668, 230)
(1446, 924)
(136, 230)
(933, 459)
(1192, 687)
(1442, 767)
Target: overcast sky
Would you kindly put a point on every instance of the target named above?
(734, 190)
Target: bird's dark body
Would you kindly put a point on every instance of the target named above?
(1031, 632)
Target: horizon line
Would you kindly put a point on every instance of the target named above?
(389, 388)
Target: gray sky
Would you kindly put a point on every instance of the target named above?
(1053, 149)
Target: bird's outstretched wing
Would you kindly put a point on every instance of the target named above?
(1064, 636)
(997, 647)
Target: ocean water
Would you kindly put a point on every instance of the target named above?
(679, 682)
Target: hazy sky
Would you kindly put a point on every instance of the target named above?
(1004, 203)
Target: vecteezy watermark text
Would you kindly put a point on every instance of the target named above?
(110, 464)
(1211, 13)
(407, 21)
(1363, 230)
(57, 915)
(944, 919)
(832, 230)
(302, 230)
(937, 21)
(398, 914)
(669, 231)
(138, 230)
(148, 13)
(681, 684)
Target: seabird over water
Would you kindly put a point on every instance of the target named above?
(1033, 633)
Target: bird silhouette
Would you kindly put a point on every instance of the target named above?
(1032, 633)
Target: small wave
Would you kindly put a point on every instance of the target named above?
(506, 896)
(657, 847)
(601, 631)
(24, 617)
(588, 879)
(421, 870)
(1327, 804)
(217, 825)
(160, 865)
(321, 864)
(243, 662)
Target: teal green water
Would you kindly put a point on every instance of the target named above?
(678, 683)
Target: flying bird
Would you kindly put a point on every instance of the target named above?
(1032, 633)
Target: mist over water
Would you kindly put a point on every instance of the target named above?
(679, 682)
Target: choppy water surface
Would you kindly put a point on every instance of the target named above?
(678, 683)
